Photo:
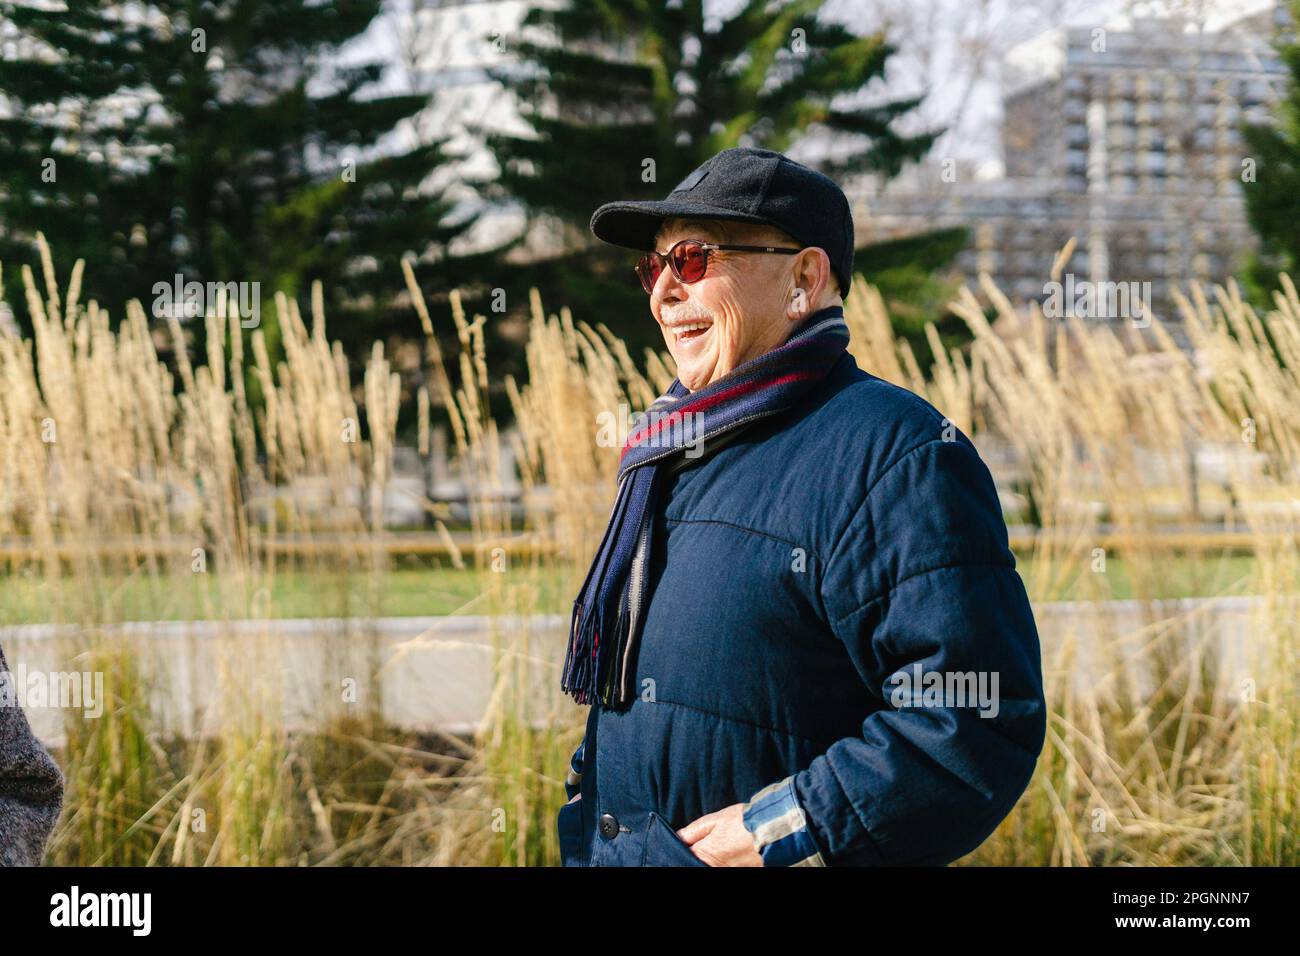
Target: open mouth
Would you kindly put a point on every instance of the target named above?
(691, 332)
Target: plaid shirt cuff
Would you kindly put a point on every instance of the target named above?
(780, 828)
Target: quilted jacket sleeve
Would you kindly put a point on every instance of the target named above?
(922, 589)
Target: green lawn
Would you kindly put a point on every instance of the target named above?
(419, 591)
(1175, 576)
(402, 593)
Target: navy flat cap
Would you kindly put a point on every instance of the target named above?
(744, 184)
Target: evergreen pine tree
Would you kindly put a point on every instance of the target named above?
(1272, 196)
(73, 148)
(226, 141)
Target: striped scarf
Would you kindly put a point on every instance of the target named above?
(608, 612)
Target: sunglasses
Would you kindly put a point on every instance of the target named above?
(689, 260)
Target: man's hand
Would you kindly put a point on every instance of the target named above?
(721, 839)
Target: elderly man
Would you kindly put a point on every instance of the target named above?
(803, 638)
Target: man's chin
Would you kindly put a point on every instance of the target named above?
(698, 374)
(693, 380)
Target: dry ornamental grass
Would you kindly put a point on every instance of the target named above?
(128, 464)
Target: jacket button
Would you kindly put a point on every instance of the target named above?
(608, 825)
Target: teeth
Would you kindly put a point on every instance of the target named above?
(692, 327)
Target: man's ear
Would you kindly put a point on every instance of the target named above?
(812, 278)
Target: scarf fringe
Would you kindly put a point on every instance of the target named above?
(609, 667)
(591, 669)
(579, 677)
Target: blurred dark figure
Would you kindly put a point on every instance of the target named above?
(31, 784)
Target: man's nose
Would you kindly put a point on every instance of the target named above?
(667, 287)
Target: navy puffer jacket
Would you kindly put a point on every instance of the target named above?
(800, 567)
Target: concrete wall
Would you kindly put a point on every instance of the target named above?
(438, 672)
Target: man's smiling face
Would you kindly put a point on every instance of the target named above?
(743, 307)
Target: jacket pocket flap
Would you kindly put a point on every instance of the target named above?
(663, 847)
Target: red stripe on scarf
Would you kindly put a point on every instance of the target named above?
(708, 402)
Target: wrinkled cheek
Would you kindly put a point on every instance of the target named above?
(724, 346)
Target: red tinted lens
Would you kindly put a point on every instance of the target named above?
(648, 268)
(690, 259)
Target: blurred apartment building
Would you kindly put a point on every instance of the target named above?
(1127, 140)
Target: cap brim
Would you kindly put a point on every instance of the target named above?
(633, 224)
